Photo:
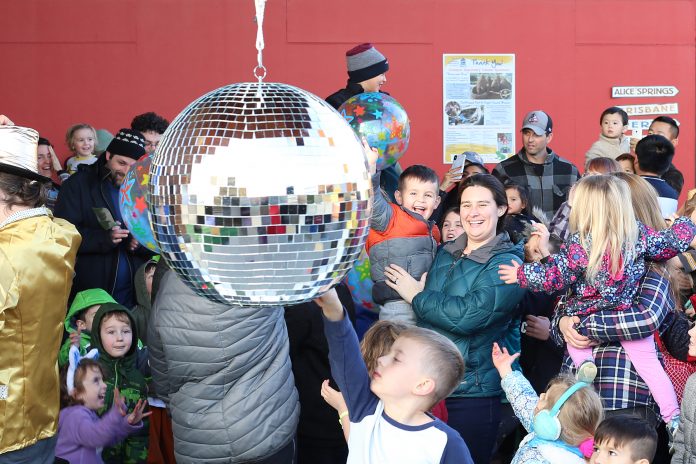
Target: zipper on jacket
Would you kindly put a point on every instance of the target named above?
(118, 251)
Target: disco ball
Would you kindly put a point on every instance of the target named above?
(132, 201)
(382, 121)
(260, 195)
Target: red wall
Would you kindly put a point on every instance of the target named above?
(103, 61)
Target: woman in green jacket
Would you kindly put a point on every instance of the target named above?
(463, 298)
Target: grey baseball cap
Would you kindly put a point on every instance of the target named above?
(472, 157)
(539, 122)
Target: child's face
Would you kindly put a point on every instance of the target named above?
(515, 204)
(116, 336)
(627, 166)
(607, 453)
(88, 318)
(612, 126)
(399, 372)
(83, 142)
(452, 227)
(418, 196)
(94, 390)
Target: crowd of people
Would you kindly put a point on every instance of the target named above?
(527, 314)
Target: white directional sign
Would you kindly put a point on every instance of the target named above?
(644, 91)
(652, 108)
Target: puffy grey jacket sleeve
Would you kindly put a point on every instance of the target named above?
(381, 211)
(227, 373)
(685, 438)
(159, 386)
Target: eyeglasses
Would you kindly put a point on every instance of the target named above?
(151, 144)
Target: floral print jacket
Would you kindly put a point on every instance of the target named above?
(566, 270)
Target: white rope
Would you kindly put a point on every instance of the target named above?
(260, 69)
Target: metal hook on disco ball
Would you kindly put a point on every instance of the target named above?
(260, 69)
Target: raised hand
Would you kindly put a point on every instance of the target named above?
(502, 360)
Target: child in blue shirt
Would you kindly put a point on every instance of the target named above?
(389, 422)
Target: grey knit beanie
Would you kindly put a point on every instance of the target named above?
(365, 62)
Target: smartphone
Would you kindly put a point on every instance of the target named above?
(458, 162)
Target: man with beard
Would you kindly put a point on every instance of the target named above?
(108, 256)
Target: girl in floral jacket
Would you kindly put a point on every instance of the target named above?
(601, 265)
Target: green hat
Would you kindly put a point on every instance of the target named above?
(84, 300)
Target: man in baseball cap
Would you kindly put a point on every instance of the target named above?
(547, 175)
(109, 256)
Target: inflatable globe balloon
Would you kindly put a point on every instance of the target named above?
(133, 201)
(360, 283)
(260, 195)
(382, 121)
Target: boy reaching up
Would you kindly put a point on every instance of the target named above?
(402, 233)
(389, 422)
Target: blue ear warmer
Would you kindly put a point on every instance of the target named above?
(74, 359)
(546, 424)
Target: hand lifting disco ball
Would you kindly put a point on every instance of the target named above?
(260, 195)
(383, 122)
(132, 200)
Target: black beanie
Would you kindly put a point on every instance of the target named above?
(127, 142)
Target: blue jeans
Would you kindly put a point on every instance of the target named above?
(477, 421)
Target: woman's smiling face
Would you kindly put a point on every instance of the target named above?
(479, 214)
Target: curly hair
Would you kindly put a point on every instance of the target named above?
(149, 122)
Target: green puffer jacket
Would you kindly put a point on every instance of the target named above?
(465, 300)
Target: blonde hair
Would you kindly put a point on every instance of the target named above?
(76, 127)
(647, 210)
(644, 198)
(443, 361)
(603, 215)
(580, 414)
(378, 340)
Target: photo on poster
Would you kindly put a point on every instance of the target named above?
(491, 86)
(471, 115)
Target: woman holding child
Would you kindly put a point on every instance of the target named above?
(464, 299)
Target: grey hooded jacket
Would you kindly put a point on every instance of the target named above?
(225, 374)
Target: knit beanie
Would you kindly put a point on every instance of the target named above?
(365, 62)
(127, 142)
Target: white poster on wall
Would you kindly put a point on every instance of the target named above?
(479, 105)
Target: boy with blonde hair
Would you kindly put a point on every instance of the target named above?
(389, 422)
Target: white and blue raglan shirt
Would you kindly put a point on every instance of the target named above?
(375, 437)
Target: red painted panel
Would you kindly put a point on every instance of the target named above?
(58, 68)
(631, 22)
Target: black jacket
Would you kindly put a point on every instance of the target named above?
(97, 258)
(336, 99)
(309, 353)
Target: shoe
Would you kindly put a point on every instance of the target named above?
(587, 371)
(672, 428)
